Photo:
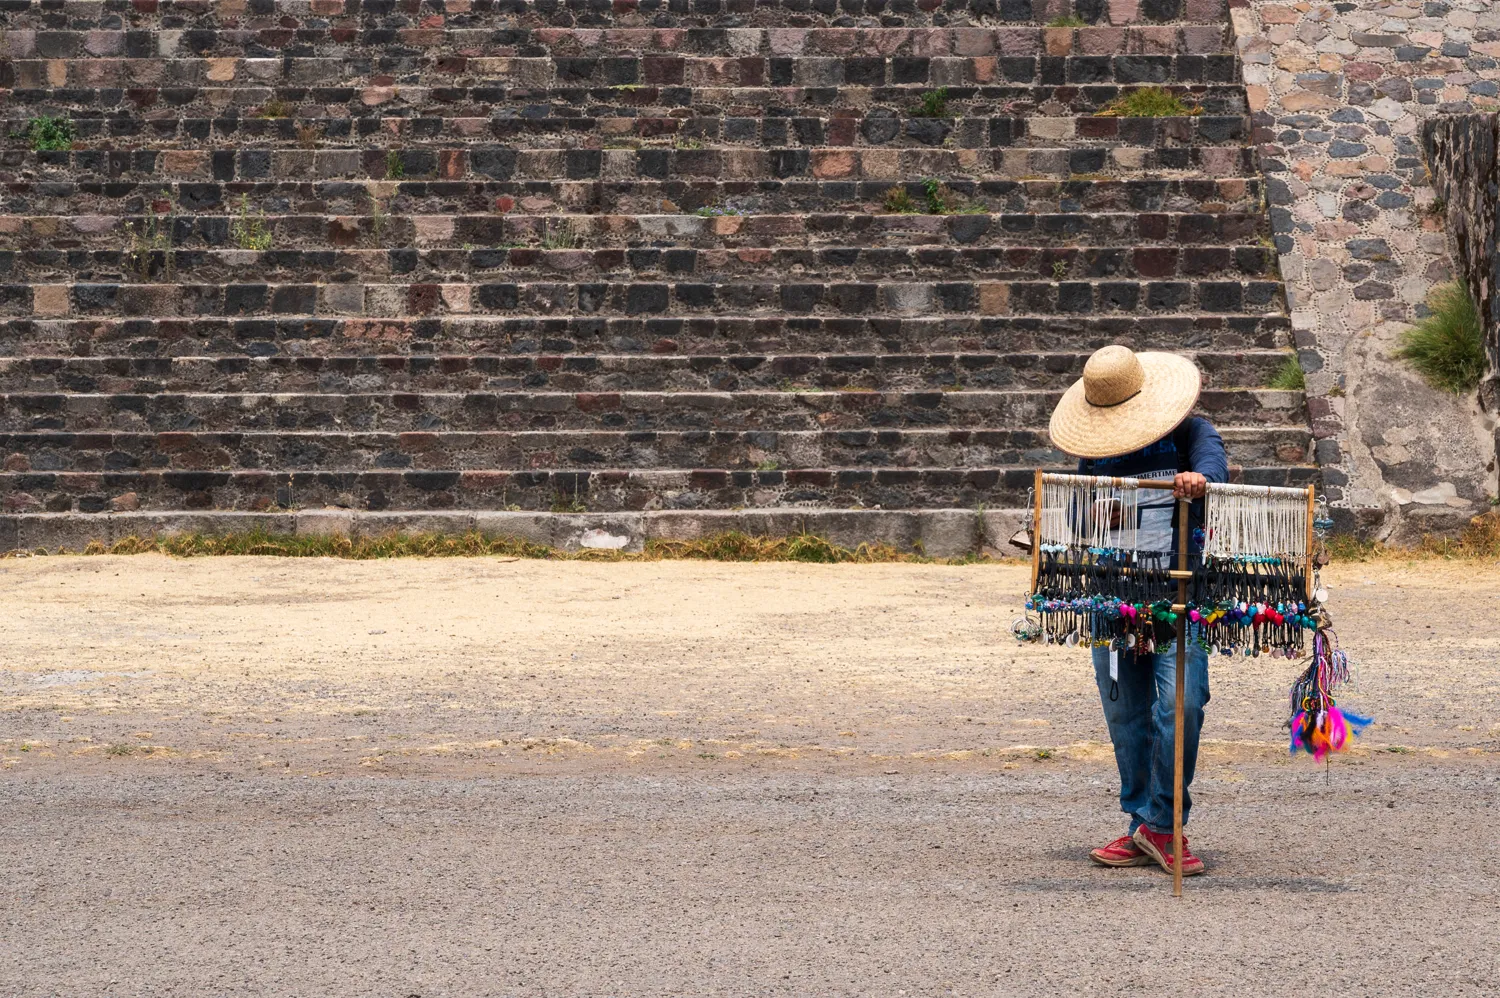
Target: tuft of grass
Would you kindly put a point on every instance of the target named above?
(1068, 21)
(1289, 376)
(49, 133)
(720, 208)
(899, 202)
(378, 219)
(249, 231)
(394, 168)
(1447, 347)
(1347, 547)
(937, 199)
(1479, 541)
(1148, 102)
(732, 546)
(1059, 269)
(309, 135)
(569, 502)
(938, 196)
(934, 104)
(148, 237)
(276, 108)
(120, 748)
(561, 237)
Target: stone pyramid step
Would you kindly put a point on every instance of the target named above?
(141, 243)
(341, 81)
(1114, 157)
(335, 336)
(441, 273)
(91, 201)
(746, 410)
(628, 298)
(1223, 369)
(423, 156)
(331, 449)
(566, 491)
(293, 17)
(800, 115)
(256, 55)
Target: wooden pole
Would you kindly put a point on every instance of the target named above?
(1183, 541)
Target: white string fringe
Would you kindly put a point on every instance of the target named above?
(1241, 521)
(1080, 512)
(1246, 522)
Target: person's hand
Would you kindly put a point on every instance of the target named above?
(1189, 485)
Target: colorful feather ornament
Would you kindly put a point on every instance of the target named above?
(1319, 727)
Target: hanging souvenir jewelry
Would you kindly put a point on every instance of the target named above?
(1319, 727)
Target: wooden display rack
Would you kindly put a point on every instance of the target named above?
(1183, 575)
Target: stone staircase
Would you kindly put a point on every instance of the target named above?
(677, 262)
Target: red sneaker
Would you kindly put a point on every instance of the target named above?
(1159, 848)
(1121, 852)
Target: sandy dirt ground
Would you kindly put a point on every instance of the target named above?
(490, 777)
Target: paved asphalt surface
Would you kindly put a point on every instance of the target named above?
(256, 777)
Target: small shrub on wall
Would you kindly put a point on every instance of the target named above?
(1447, 347)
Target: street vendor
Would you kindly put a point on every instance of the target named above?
(1129, 418)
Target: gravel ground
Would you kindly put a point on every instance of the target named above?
(489, 777)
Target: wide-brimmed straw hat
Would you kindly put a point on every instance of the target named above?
(1125, 401)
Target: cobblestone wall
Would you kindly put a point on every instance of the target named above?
(1463, 152)
(1339, 93)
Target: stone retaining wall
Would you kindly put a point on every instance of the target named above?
(944, 533)
(1338, 94)
(1463, 152)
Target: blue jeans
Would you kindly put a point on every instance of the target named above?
(1141, 726)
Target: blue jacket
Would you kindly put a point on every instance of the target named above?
(1193, 446)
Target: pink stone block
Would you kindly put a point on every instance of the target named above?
(1277, 14)
(1153, 39)
(1219, 160)
(1203, 39)
(185, 162)
(104, 42)
(787, 41)
(1101, 41)
(833, 41)
(728, 225)
(18, 44)
(1048, 10)
(973, 41)
(833, 164)
(930, 42)
(890, 41)
(1017, 41)
(1124, 11)
(432, 228)
(50, 300)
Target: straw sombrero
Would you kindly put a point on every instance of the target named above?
(1125, 401)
